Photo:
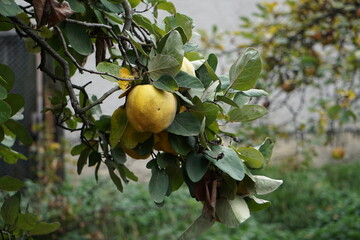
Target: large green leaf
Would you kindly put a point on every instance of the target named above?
(198, 227)
(118, 154)
(77, 6)
(118, 125)
(20, 131)
(232, 212)
(247, 113)
(5, 112)
(185, 124)
(110, 68)
(227, 160)
(265, 185)
(245, 71)
(163, 65)
(9, 8)
(207, 110)
(78, 38)
(11, 209)
(7, 77)
(180, 20)
(16, 102)
(167, 6)
(173, 46)
(180, 144)
(26, 221)
(166, 83)
(82, 160)
(10, 156)
(158, 185)
(8, 183)
(188, 81)
(196, 166)
(43, 228)
(253, 158)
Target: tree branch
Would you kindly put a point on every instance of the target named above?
(86, 24)
(101, 99)
(127, 16)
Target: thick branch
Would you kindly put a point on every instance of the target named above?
(64, 64)
(128, 17)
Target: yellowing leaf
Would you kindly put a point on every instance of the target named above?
(126, 74)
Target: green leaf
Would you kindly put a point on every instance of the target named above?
(167, 6)
(20, 131)
(265, 185)
(212, 61)
(197, 228)
(82, 160)
(5, 112)
(137, 44)
(16, 102)
(77, 6)
(227, 160)
(94, 158)
(112, 7)
(116, 180)
(118, 125)
(266, 149)
(146, 147)
(6, 25)
(110, 68)
(188, 81)
(175, 176)
(43, 228)
(172, 46)
(185, 124)
(26, 221)
(232, 212)
(256, 204)
(196, 166)
(254, 93)
(8, 183)
(180, 20)
(3, 93)
(9, 8)
(77, 149)
(210, 92)
(158, 185)
(145, 23)
(10, 156)
(240, 99)
(228, 187)
(118, 155)
(253, 158)
(334, 112)
(10, 209)
(78, 38)
(166, 83)
(2, 134)
(207, 110)
(247, 113)
(227, 101)
(179, 144)
(163, 65)
(245, 71)
(7, 77)
(134, 3)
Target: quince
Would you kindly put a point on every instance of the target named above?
(149, 109)
(161, 142)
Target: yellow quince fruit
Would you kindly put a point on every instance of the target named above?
(149, 109)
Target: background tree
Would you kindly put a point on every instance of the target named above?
(311, 65)
(156, 65)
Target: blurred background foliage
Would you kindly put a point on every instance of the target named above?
(312, 204)
(311, 54)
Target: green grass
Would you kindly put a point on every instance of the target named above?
(311, 204)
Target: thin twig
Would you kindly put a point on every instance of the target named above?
(101, 99)
(87, 24)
